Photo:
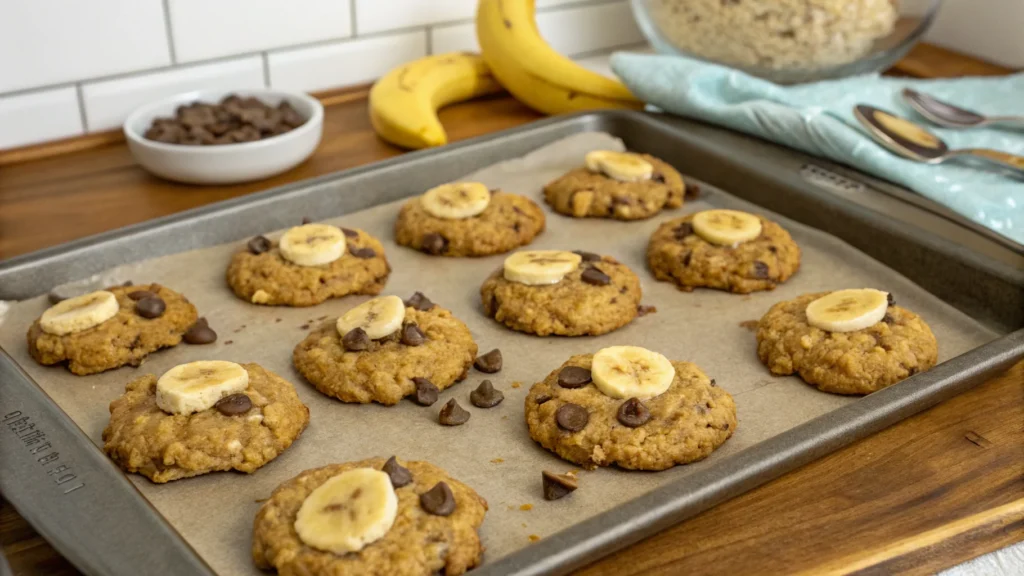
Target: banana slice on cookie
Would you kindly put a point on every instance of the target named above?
(540, 267)
(197, 386)
(631, 372)
(621, 166)
(79, 313)
(726, 227)
(312, 244)
(348, 511)
(379, 317)
(457, 200)
(848, 310)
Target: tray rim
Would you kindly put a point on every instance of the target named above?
(577, 545)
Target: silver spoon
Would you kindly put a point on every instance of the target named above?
(950, 116)
(912, 141)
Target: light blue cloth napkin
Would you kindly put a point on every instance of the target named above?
(818, 119)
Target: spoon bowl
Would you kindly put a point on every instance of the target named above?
(950, 116)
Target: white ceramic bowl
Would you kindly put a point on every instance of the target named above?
(225, 163)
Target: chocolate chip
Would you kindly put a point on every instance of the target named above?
(140, 294)
(888, 319)
(259, 245)
(128, 283)
(233, 405)
(588, 256)
(356, 340)
(485, 396)
(350, 233)
(573, 377)
(434, 243)
(658, 177)
(439, 500)
(306, 220)
(452, 414)
(426, 392)
(889, 298)
(686, 258)
(489, 363)
(682, 231)
(557, 485)
(364, 253)
(713, 383)
(542, 399)
(150, 307)
(642, 310)
(773, 249)
(200, 333)
(572, 417)
(633, 413)
(692, 191)
(419, 302)
(412, 335)
(55, 298)
(595, 277)
(399, 475)
(761, 270)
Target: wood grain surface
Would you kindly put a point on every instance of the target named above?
(932, 491)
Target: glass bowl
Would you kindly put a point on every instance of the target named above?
(788, 41)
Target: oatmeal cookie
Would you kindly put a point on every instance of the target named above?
(583, 193)
(143, 439)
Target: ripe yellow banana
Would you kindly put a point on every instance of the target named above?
(404, 102)
(535, 73)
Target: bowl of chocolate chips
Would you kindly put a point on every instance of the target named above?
(222, 137)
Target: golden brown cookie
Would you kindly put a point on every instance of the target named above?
(417, 544)
(261, 275)
(125, 339)
(384, 371)
(858, 362)
(676, 254)
(684, 424)
(583, 303)
(508, 222)
(583, 193)
(144, 439)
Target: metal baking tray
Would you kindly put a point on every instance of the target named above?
(80, 502)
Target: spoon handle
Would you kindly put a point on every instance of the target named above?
(1003, 160)
(1009, 121)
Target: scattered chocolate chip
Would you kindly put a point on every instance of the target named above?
(489, 363)
(588, 256)
(306, 220)
(412, 335)
(229, 342)
(259, 245)
(682, 231)
(434, 243)
(485, 396)
(658, 177)
(233, 405)
(364, 253)
(304, 327)
(150, 307)
(542, 399)
(595, 277)
(642, 310)
(889, 298)
(439, 500)
(713, 383)
(692, 191)
(128, 283)
(400, 476)
(573, 377)
(350, 233)
(557, 485)
(200, 333)
(452, 414)
(356, 340)
(419, 302)
(761, 270)
(888, 319)
(633, 413)
(426, 392)
(572, 417)
(140, 294)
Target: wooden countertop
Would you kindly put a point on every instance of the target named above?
(932, 491)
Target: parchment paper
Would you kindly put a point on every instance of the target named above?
(492, 452)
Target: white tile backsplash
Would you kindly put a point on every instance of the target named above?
(344, 63)
(109, 102)
(204, 29)
(990, 29)
(46, 42)
(108, 57)
(38, 116)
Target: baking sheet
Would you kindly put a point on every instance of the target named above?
(492, 452)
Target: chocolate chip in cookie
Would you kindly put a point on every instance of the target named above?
(426, 392)
(890, 299)
(682, 231)
(140, 294)
(363, 253)
(633, 413)
(573, 377)
(356, 340)
(150, 307)
(761, 270)
(259, 245)
(434, 243)
(557, 485)
(233, 405)
(439, 500)
(350, 233)
(595, 277)
(200, 333)
(400, 476)
(485, 396)
(412, 335)
(419, 302)
(572, 417)
(489, 363)
(587, 256)
(452, 414)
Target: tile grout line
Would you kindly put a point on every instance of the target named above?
(266, 69)
(169, 31)
(429, 39)
(352, 17)
(81, 107)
